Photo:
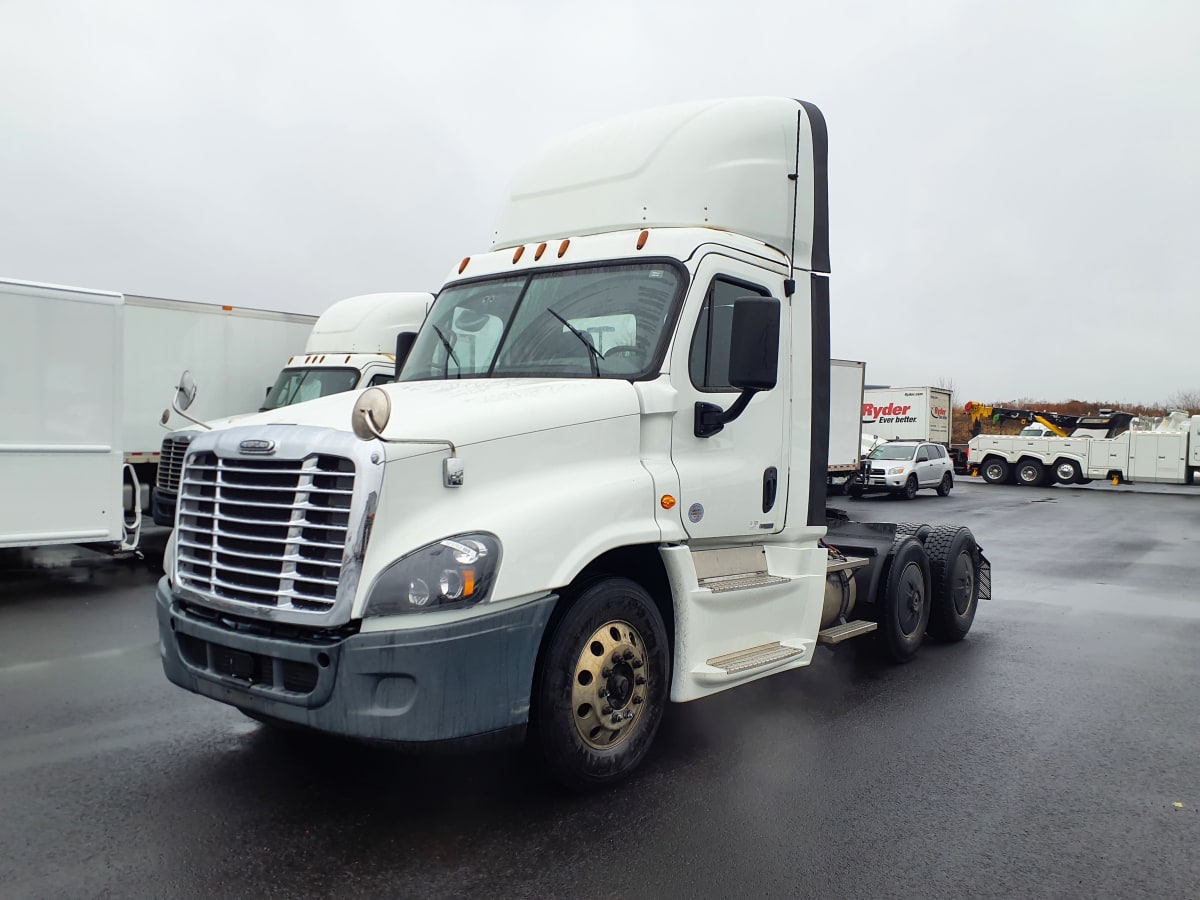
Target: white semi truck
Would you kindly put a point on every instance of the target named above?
(614, 501)
(846, 446)
(83, 374)
(1114, 446)
(351, 346)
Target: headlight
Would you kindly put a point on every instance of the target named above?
(896, 470)
(456, 571)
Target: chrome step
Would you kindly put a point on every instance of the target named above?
(838, 633)
(755, 657)
(722, 583)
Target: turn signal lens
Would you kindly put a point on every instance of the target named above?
(642, 239)
(540, 250)
(562, 248)
(518, 254)
(667, 501)
(462, 265)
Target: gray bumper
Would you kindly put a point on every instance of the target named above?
(441, 683)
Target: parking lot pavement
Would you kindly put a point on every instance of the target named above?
(1052, 753)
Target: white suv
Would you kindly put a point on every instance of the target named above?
(904, 467)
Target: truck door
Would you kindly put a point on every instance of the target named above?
(735, 482)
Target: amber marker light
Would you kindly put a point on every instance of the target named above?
(667, 501)
(540, 250)
(520, 251)
(562, 248)
(227, 308)
(642, 239)
(462, 265)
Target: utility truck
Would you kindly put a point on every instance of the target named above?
(351, 346)
(83, 373)
(614, 501)
(1115, 446)
(846, 445)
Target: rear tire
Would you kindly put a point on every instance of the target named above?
(995, 471)
(1030, 472)
(943, 489)
(904, 607)
(606, 658)
(954, 576)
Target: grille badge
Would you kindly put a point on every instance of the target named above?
(257, 446)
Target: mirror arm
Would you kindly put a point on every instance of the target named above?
(175, 406)
(711, 419)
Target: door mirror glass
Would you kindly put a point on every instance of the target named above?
(754, 344)
(185, 393)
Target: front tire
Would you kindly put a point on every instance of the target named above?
(602, 686)
(947, 483)
(910, 487)
(904, 607)
(1067, 471)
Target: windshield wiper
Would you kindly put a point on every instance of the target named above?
(449, 352)
(593, 353)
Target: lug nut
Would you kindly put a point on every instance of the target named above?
(606, 672)
(606, 710)
(627, 655)
(641, 679)
(637, 700)
(636, 664)
(602, 693)
(616, 657)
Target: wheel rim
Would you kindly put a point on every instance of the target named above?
(610, 685)
(910, 599)
(910, 486)
(962, 583)
(993, 472)
(1066, 472)
(1028, 474)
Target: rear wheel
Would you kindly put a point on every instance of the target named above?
(995, 471)
(954, 580)
(603, 685)
(904, 609)
(1030, 472)
(947, 483)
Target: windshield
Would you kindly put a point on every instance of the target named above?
(1034, 431)
(298, 385)
(893, 451)
(605, 321)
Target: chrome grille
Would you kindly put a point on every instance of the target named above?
(170, 461)
(265, 532)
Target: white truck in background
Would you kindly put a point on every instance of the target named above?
(913, 414)
(82, 374)
(351, 346)
(846, 380)
(616, 501)
(1115, 446)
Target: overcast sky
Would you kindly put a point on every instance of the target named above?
(1015, 190)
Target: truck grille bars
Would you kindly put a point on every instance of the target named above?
(170, 462)
(265, 532)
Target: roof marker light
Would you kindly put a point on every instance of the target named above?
(540, 250)
(562, 248)
(227, 308)
(520, 251)
(642, 239)
(462, 265)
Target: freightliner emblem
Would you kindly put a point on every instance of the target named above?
(257, 446)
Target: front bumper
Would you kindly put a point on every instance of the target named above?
(886, 482)
(440, 683)
(162, 506)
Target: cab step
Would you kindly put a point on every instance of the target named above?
(755, 658)
(733, 569)
(838, 633)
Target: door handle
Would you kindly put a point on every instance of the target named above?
(770, 486)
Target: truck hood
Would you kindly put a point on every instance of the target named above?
(467, 412)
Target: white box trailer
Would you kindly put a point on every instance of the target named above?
(846, 380)
(60, 415)
(85, 377)
(908, 413)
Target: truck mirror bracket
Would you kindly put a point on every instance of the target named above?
(711, 419)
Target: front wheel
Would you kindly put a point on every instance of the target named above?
(1067, 471)
(947, 483)
(602, 686)
(910, 487)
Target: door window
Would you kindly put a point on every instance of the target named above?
(708, 362)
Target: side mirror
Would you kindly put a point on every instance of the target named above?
(753, 361)
(404, 342)
(754, 344)
(185, 393)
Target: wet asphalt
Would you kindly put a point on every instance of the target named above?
(1043, 756)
